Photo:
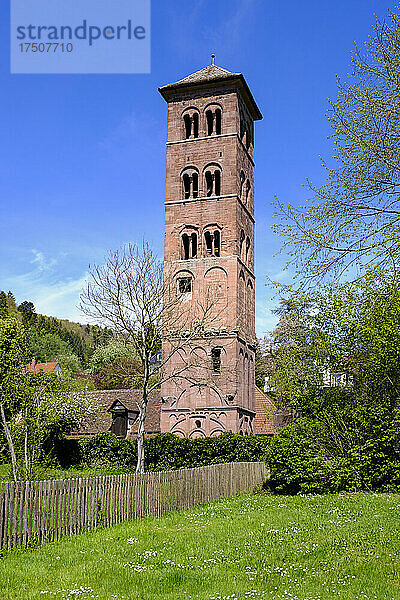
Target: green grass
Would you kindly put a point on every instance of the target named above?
(303, 548)
(53, 473)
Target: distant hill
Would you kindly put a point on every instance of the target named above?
(82, 339)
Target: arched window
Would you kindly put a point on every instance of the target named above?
(190, 180)
(241, 248)
(193, 239)
(213, 182)
(214, 120)
(198, 424)
(185, 246)
(209, 243)
(189, 245)
(212, 241)
(186, 185)
(247, 191)
(188, 125)
(217, 243)
(184, 286)
(209, 183)
(217, 183)
(210, 122)
(218, 121)
(242, 178)
(195, 124)
(247, 248)
(195, 182)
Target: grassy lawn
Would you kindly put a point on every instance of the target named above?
(303, 548)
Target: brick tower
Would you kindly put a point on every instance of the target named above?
(209, 245)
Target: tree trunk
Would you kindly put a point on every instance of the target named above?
(140, 436)
(10, 444)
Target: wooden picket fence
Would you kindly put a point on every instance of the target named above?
(40, 511)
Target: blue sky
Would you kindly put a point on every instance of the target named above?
(82, 157)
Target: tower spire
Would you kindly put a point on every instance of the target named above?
(213, 59)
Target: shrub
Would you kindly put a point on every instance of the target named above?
(162, 452)
(301, 461)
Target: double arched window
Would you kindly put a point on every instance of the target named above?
(210, 124)
(213, 120)
(244, 188)
(190, 183)
(244, 247)
(191, 123)
(212, 180)
(212, 242)
(189, 245)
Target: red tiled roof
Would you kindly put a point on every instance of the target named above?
(264, 421)
(47, 367)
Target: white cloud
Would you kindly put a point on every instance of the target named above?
(51, 292)
(59, 299)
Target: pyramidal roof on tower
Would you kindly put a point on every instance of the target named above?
(209, 75)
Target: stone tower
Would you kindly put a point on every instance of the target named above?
(209, 245)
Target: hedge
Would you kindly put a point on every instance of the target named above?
(162, 452)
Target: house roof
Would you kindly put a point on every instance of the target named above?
(47, 367)
(264, 420)
(101, 419)
(209, 75)
(153, 412)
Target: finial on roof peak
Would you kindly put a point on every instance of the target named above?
(213, 59)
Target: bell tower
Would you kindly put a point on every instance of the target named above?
(209, 244)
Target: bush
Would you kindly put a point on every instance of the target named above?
(162, 452)
(301, 461)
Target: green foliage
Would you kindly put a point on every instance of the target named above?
(351, 432)
(12, 352)
(45, 347)
(106, 355)
(3, 305)
(125, 372)
(70, 364)
(162, 452)
(27, 310)
(350, 225)
(303, 458)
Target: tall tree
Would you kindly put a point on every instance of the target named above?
(351, 224)
(3, 305)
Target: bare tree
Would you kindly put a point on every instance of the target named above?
(131, 294)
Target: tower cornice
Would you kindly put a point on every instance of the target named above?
(209, 78)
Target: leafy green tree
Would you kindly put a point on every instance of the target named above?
(351, 224)
(35, 409)
(70, 364)
(27, 310)
(125, 372)
(263, 362)
(294, 364)
(104, 356)
(47, 347)
(3, 305)
(354, 426)
(12, 356)
(12, 305)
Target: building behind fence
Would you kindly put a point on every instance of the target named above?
(39, 511)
